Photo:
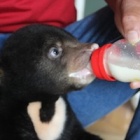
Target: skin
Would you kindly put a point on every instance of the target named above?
(127, 19)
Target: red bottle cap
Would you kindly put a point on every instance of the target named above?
(98, 65)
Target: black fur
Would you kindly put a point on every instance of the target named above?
(35, 64)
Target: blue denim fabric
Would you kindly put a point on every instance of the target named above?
(3, 38)
(98, 27)
(100, 97)
(134, 130)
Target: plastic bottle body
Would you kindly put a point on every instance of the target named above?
(121, 61)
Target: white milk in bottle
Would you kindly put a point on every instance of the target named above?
(118, 61)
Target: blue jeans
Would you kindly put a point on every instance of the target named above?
(100, 97)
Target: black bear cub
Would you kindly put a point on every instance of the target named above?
(38, 66)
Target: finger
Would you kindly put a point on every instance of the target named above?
(135, 85)
(131, 20)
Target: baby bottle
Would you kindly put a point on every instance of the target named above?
(118, 61)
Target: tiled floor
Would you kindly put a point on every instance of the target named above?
(115, 125)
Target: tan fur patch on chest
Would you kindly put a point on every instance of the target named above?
(50, 130)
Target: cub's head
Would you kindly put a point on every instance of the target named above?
(45, 59)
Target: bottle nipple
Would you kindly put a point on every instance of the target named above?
(97, 63)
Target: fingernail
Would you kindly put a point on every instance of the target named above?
(133, 37)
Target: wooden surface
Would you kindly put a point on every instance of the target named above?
(114, 126)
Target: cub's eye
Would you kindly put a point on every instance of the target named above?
(54, 52)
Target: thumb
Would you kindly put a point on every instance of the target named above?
(131, 20)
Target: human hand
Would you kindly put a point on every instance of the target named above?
(127, 19)
(135, 85)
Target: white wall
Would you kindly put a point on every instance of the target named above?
(80, 6)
